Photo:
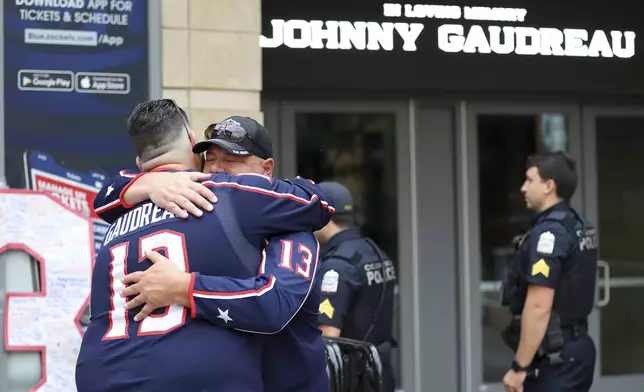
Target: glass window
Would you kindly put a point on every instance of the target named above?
(620, 174)
(357, 150)
(504, 144)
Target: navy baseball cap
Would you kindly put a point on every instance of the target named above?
(339, 197)
(238, 135)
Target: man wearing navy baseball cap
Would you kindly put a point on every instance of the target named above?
(236, 145)
(357, 282)
(238, 135)
(341, 197)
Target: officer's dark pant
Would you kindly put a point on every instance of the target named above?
(388, 379)
(575, 374)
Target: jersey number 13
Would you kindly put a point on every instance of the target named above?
(174, 316)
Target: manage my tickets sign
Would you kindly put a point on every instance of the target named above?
(76, 190)
(499, 37)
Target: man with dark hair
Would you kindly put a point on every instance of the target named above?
(154, 127)
(243, 290)
(357, 282)
(550, 286)
(558, 167)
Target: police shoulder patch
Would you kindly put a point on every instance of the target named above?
(330, 282)
(546, 243)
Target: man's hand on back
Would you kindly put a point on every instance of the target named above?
(180, 192)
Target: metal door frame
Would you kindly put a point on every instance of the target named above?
(590, 191)
(469, 221)
(281, 114)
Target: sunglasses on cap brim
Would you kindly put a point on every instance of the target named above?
(234, 134)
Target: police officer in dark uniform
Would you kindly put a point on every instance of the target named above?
(550, 286)
(357, 281)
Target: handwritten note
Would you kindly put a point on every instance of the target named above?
(62, 241)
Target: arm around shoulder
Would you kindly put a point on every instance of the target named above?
(281, 205)
(109, 203)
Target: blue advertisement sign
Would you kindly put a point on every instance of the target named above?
(74, 189)
(73, 72)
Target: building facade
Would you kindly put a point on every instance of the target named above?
(428, 113)
(211, 62)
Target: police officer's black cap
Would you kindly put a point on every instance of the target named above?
(238, 135)
(340, 197)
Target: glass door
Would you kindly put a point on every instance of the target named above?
(495, 145)
(614, 186)
(364, 147)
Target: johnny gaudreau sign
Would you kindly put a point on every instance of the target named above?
(503, 34)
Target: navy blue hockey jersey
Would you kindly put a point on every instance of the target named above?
(203, 348)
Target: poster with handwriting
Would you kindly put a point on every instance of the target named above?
(47, 321)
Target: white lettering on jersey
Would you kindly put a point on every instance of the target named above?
(135, 219)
